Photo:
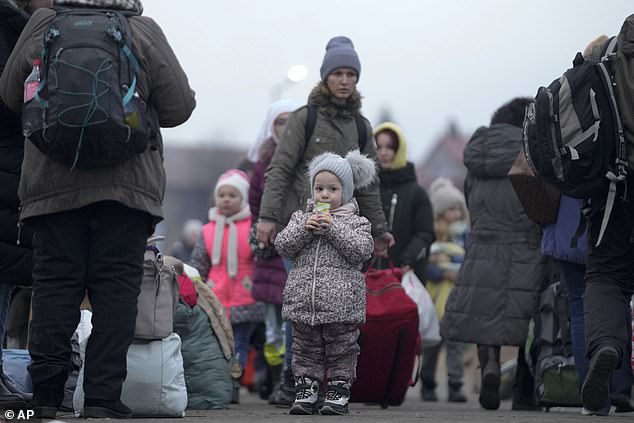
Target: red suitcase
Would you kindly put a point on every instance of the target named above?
(389, 341)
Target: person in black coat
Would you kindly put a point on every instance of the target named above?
(406, 205)
(16, 259)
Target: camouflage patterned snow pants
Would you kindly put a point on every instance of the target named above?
(329, 350)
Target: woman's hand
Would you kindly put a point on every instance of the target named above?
(382, 245)
(265, 232)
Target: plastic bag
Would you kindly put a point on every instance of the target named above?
(427, 319)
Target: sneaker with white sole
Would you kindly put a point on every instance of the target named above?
(595, 393)
(337, 397)
(602, 412)
(306, 394)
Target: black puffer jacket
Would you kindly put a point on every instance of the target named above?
(410, 218)
(498, 286)
(16, 260)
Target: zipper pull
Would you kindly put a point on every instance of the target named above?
(17, 242)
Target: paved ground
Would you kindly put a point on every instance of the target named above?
(252, 409)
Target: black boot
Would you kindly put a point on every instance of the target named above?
(428, 391)
(273, 380)
(455, 393)
(106, 409)
(489, 356)
(284, 393)
(48, 396)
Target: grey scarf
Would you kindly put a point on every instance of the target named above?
(232, 244)
(132, 5)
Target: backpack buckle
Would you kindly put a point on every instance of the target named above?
(51, 34)
(115, 34)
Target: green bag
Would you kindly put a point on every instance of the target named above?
(549, 351)
(559, 384)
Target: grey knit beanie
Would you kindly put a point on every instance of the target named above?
(340, 54)
(443, 195)
(355, 171)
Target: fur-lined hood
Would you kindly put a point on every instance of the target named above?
(321, 96)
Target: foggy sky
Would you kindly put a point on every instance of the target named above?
(425, 61)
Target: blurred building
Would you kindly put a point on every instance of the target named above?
(444, 158)
(192, 172)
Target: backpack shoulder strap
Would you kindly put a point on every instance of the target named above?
(361, 130)
(311, 121)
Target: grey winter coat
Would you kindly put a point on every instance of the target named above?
(325, 284)
(48, 186)
(498, 286)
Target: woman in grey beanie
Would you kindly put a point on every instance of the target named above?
(338, 128)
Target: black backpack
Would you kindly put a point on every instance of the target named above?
(573, 137)
(549, 346)
(87, 111)
(311, 121)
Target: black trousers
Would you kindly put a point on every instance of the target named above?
(610, 277)
(96, 249)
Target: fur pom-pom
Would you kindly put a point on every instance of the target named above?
(363, 169)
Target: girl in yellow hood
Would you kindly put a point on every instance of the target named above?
(406, 205)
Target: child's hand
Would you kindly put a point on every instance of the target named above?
(325, 221)
(312, 223)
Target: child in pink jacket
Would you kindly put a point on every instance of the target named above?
(224, 259)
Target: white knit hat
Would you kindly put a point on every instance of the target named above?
(355, 171)
(237, 179)
(443, 195)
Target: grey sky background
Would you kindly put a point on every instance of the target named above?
(425, 61)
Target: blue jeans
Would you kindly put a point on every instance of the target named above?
(242, 333)
(5, 296)
(573, 276)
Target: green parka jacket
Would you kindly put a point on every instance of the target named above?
(287, 188)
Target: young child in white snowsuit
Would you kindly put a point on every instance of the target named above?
(324, 297)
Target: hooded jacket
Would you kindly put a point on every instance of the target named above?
(325, 284)
(498, 286)
(269, 276)
(407, 209)
(287, 188)
(48, 186)
(16, 259)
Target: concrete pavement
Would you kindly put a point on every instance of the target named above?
(252, 409)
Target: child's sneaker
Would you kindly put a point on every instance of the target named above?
(337, 397)
(306, 392)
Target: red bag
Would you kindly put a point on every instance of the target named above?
(389, 341)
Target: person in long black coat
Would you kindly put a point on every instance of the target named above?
(499, 284)
(16, 259)
(405, 203)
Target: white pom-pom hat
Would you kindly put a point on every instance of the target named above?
(355, 171)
